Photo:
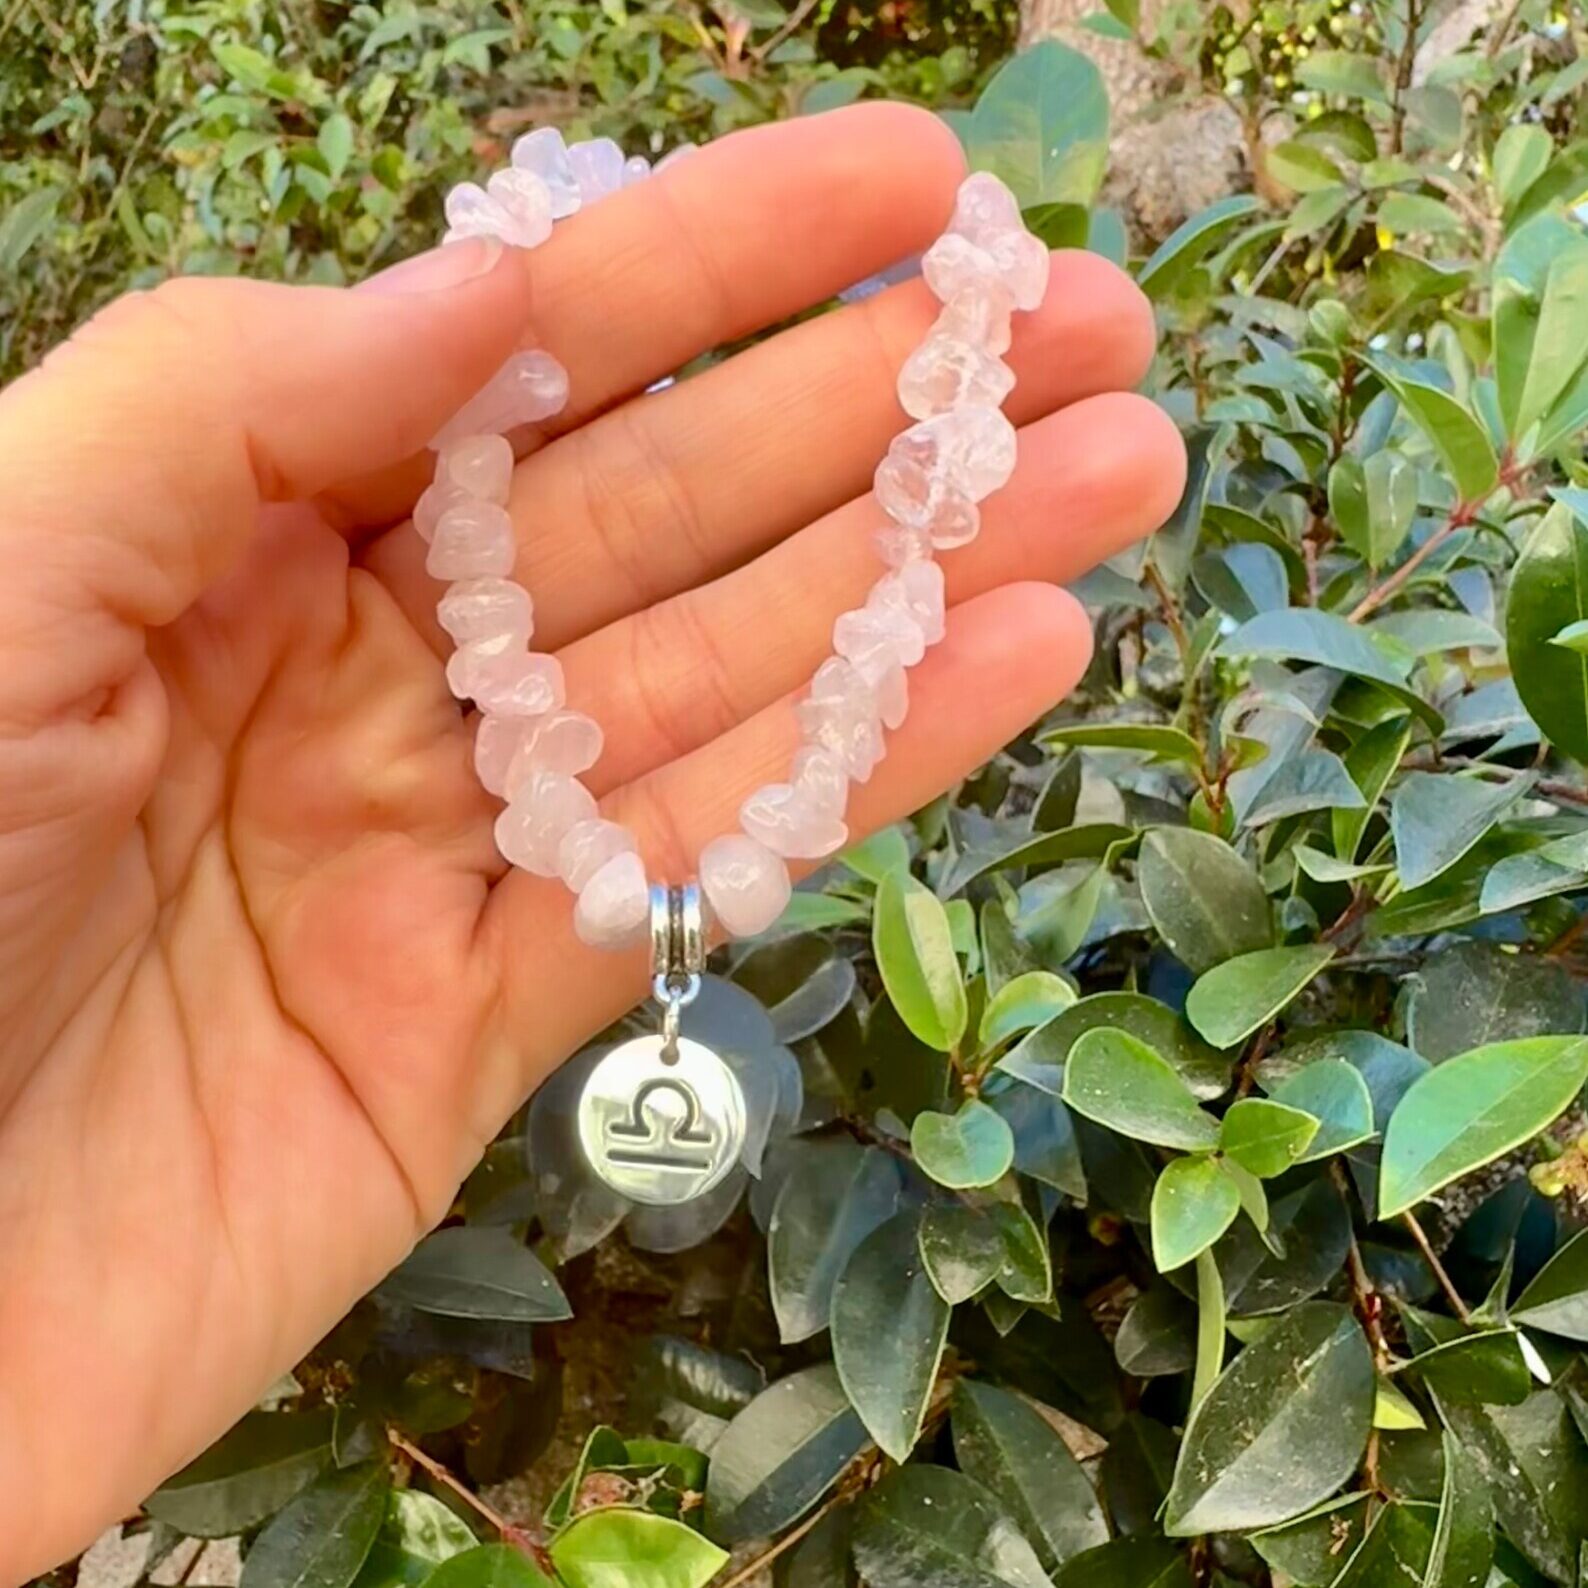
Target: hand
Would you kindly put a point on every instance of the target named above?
(266, 987)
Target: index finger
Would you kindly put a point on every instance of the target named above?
(728, 241)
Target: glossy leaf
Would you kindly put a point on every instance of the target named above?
(1371, 762)
(1193, 239)
(1041, 125)
(1158, 740)
(914, 946)
(416, 1535)
(1207, 903)
(1305, 634)
(927, 1525)
(1463, 1546)
(1193, 1204)
(1266, 1137)
(889, 1325)
(1474, 993)
(972, 1147)
(1232, 1000)
(1458, 438)
(618, 1548)
(1283, 1427)
(1117, 1080)
(1556, 1299)
(1549, 591)
(489, 1566)
(472, 1271)
(1023, 1003)
(780, 1454)
(1015, 1454)
(1436, 818)
(1473, 1108)
(1334, 1093)
(962, 1250)
(247, 1475)
(837, 1193)
(321, 1538)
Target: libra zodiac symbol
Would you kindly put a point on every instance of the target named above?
(666, 1141)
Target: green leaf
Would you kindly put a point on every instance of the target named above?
(1374, 503)
(417, 1534)
(1232, 1000)
(962, 1250)
(1437, 817)
(1305, 634)
(1335, 1095)
(878, 856)
(335, 143)
(1026, 1273)
(1471, 1110)
(321, 1538)
(1212, 1324)
(1158, 740)
(1314, 1548)
(1371, 761)
(1457, 437)
(1549, 591)
(489, 1566)
(1342, 72)
(1206, 902)
(973, 1147)
(1041, 125)
(1474, 993)
(1015, 1453)
(1463, 1549)
(470, 1271)
(1532, 1464)
(888, 1328)
(1520, 156)
(1408, 214)
(1395, 1549)
(1392, 1411)
(1184, 248)
(1557, 327)
(1139, 1562)
(1556, 1300)
(931, 1526)
(1283, 1427)
(248, 1474)
(779, 1455)
(1121, 1082)
(1302, 167)
(1482, 1367)
(914, 946)
(25, 223)
(618, 1548)
(1039, 1058)
(1029, 1000)
(1426, 632)
(1193, 1204)
(1266, 1137)
(837, 1193)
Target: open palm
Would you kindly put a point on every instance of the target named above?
(266, 988)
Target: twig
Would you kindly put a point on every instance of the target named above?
(1502, 33)
(788, 1540)
(509, 1531)
(1371, 1311)
(1404, 67)
(796, 17)
(1380, 593)
(1451, 1293)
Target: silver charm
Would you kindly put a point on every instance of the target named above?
(662, 1118)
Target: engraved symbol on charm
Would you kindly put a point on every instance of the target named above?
(662, 1118)
(663, 1137)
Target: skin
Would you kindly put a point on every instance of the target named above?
(266, 988)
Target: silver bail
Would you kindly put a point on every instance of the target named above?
(678, 956)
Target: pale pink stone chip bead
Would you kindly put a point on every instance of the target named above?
(587, 846)
(746, 885)
(785, 818)
(532, 826)
(614, 906)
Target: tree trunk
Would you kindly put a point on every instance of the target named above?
(1174, 149)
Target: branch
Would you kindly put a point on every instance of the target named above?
(1451, 1293)
(1380, 593)
(1404, 67)
(510, 1532)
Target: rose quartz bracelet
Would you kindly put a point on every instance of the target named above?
(531, 747)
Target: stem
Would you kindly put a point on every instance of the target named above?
(761, 51)
(1370, 1309)
(787, 1542)
(510, 1533)
(1380, 593)
(1451, 1293)
(1403, 75)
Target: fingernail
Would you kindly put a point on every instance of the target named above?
(447, 266)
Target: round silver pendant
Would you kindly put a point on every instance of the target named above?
(661, 1129)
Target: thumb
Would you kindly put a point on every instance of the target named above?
(136, 457)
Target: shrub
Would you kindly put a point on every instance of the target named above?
(1171, 1169)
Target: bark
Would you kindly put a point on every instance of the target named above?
(1174, 149)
